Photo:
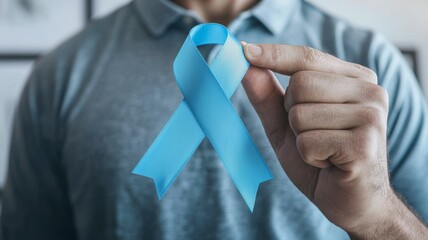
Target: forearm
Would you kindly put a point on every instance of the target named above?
(399, 223)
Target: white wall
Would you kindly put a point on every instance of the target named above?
(404, 22)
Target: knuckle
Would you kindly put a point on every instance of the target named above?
(311, 55)
(303, 144)
(373, 92)
(383, 99)
(378, 95)
(299, 80)
(365, 143)
(373, 116)
(276, 54)
(371, 75)
(324, 112)
(367, 73)
(295, 117)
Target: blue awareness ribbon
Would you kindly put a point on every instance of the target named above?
(207, 111)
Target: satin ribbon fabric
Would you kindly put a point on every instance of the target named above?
(207, 111)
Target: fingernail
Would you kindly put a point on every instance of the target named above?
(253, 50)
(243, 43)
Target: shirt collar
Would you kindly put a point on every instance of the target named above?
(159, 15)
(274, 14)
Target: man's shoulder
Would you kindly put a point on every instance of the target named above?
(318, 17)
(345, 40)
(87, 46)
(60, 75)
(337, 36)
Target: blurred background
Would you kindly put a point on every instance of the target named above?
(30, 28)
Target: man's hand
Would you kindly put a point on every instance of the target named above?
(328, 130)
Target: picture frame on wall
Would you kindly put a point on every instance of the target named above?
(31, 27)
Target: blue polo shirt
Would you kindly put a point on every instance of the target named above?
(93, 106)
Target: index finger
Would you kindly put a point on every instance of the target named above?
(288, 59)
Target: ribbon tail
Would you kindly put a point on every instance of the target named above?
(171, 149)
(248, 184)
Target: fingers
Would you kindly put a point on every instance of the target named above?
(286, 59)
(307, 117)
(333, 111)
(261, 86)
(267, 97)
(321, 148)
(320, 87)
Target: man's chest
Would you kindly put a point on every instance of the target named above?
(114, 122)
(118, 119)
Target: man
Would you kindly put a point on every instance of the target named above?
(93, 107)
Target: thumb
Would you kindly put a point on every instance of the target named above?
(267, 97)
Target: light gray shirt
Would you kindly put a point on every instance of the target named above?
(93, 106)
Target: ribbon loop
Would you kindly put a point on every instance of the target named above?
(207, 111)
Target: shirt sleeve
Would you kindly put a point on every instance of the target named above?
(35, 202)
(407, 126)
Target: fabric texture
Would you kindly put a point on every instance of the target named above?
(93, 106)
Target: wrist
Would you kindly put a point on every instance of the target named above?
(381, 221)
